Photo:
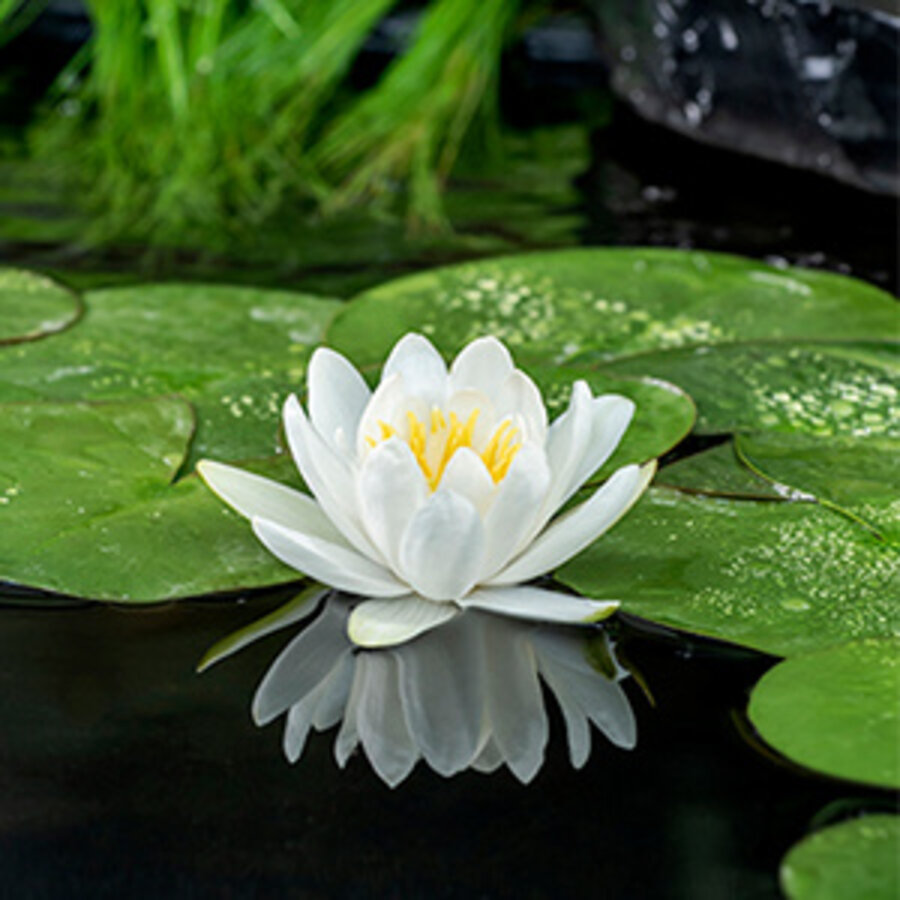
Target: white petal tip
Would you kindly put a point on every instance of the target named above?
(385, 623)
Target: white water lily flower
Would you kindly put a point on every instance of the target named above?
(437, 491)
(465, 696)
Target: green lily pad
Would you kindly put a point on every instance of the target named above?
(816, 389)
(234, 352)
(600, 304)
(856, 859)
(88, 508)
(783, 578)
(32, 306)
(858, 476)
(663, 416)
(717, 471)
(836, 711)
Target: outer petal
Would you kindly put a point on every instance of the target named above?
(526, 602)
(302, 665)
(421, 367)
(576, 529)
(337, 396)
(383, 623)
(329, 477)
(252, 495)
(611, 416)
(567, 442)
(333, 564)
(442, 686)
(442, 549)
(391, 490)
(484, 364)
(512, 516)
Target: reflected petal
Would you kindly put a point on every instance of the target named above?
(302, 665)
(442, 687)
(380, 720)
(514, 705)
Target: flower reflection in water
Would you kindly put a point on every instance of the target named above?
(465, 695)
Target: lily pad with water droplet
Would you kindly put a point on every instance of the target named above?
(859, 476)
(88, 507)
(825, 390)
(857, 859)
(234, 352)
(784, 578)
(602, 304)
(717, 471)
(33, 306)
(836, 711)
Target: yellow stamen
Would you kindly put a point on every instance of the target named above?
(442, 438)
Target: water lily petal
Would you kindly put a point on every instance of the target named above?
(383, 623)
(527, 602)
(380, 720)
(484, 364)
(421, 367)
(299, 722)
(391, 490)
(334, 694)
(302, 665)
(489, 758)
(520, 398)
(443, 693)
(611, 416)
(568, 440)
(576, 529)
(467, 475)
(337, 396)
(578, 726)
(333, 564)
(517, 503)
(348, 735)
(561, 660)
(329, 477)
(252, 495)
(442, 548)
(514, 704)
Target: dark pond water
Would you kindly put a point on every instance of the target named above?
(125, 774)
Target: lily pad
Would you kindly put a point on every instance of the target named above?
(717, 471)
(855, 859)
(88, 508)
(783, 578)
(32, 306)
(858, 476)
(663, 416)
(836, 711)
(234, 352)
(815, 389)
(601, 304)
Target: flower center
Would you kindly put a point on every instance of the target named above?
(434, 443)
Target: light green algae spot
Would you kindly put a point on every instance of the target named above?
(603, 304)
